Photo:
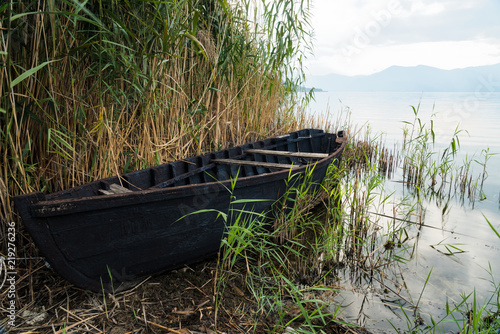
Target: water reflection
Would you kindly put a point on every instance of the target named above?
(455, 251)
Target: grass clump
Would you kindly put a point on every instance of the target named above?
(436, 174)
(283, 268)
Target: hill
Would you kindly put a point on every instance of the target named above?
(414, 79)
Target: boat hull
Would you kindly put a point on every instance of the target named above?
(110, 242)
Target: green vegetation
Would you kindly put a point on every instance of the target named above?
(437, 173)
(97, 88)
(272, 260)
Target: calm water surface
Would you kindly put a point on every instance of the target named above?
(366, 301)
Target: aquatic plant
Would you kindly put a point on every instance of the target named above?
(434, 172)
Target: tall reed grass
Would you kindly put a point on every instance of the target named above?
(97, 88)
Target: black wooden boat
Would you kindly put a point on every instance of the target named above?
(110, 233)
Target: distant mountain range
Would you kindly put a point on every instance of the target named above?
(414, 79)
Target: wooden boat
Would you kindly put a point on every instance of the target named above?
(108, 234)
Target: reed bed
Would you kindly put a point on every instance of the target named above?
(94, 90)
(436, 173)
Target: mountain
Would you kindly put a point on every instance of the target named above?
(414, 79)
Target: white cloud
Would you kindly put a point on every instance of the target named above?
(427, 9)
(361, 37)
(417, 8)
(445, 55)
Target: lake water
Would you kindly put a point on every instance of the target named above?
(370, 303)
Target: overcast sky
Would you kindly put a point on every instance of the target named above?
(363, 37)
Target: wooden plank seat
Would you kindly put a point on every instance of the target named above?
(115, 189)
(289, 154)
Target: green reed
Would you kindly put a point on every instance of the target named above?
(436, 174)
(90, 89)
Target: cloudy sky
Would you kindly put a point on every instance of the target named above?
(363, 37)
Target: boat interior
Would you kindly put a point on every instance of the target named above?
(265, 156)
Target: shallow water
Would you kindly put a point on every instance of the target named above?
(476, 259)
